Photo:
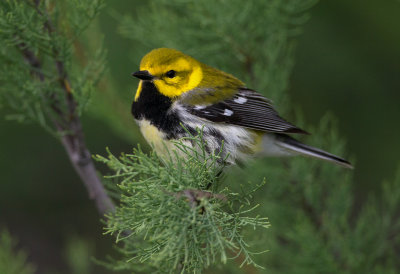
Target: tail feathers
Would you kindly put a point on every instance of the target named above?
(295, 146)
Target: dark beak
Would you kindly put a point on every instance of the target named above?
(143, 75)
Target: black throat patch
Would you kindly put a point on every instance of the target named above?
(155, 107)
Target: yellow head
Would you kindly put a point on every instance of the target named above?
(172, 72)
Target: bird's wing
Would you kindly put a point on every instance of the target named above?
(246, 108)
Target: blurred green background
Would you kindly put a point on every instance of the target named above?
(347, 63)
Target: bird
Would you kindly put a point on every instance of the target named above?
(178, 94)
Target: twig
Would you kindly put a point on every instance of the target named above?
(194, 195)
(81, 160)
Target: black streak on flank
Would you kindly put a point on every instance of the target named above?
(154, 107)
(216, 134)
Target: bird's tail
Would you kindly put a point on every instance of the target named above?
(292, 146)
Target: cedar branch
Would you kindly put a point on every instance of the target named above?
(69, 127)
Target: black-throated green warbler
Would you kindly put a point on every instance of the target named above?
(176, 89)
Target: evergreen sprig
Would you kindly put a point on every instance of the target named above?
(37, 46)
(172, 215)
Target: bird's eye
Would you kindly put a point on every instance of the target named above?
(171, 74)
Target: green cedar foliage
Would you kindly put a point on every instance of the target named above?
(12, 261)
(316, 227)
(38, 48)
(174, 214)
